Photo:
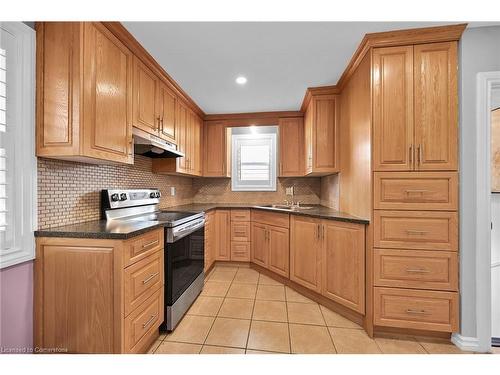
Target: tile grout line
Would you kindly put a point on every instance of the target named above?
(288, 324)
(328, 330)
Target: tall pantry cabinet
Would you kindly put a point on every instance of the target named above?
(415, 187)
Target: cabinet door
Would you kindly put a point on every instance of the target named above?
(279, 250)
(344, 264)
(181, 129)
(107, 96)
(325, 137)
(259, 247)
(223, 235)
(291, 147)
(436, 98)
(167, 106)
(197, 130)
(305, 252)
(393, 109)
(308, 139)
(214, 150)
(145, 105)
(209, 239)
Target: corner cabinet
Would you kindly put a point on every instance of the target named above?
(321, 123)
(84, 94)
(415, 102)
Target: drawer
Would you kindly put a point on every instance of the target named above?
(415, 190)
(142, 246)
(416, 309)
(426, 230)
(240, 251)
(143, 321)
(240, 231)
(240, 215)
(271, 218)
(416, 269)
(142, 279)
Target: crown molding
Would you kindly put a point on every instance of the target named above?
(252, 116)
(118, 30)
(387, 39)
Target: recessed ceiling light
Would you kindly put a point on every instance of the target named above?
(241, 80)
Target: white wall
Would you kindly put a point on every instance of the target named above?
(479, 52)
(495, 247)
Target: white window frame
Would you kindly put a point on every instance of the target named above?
(21, 117)
(267, 133)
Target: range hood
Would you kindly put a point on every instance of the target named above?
(152, 146)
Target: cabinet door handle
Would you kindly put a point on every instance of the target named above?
(281, 168)
(419, 153)
(410, 191)
(417, 270)
(322, 232)
(151, 320)
(150, 277)
(411, 156)
(158, 120)
(146, 245)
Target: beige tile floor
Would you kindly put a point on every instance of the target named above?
(242, 311)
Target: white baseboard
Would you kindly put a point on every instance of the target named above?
(465, 343)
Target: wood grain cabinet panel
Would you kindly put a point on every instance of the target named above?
(393, 108)
(84, 94)
(416, 309)
(167, 103)
(142, 246)
(145, 104)
(240, 231)
(215, 157)
(279, 250)
(144, 320)
(291, 133)
(259, 246)
(343, 263)
(415, 190)
(210, 239)
(142, 279)
(426, 230)
(305, 252)
(436, 270)
(223, 235)
(240, 215)
(322, 141)
(240, 251)
(436, 106)
(271, 218)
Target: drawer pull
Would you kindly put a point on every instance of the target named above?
(243, 234)
(416, 191)
(150, 244)
(151, 277)
(417, 270)
(420, 232)
(151, 320)
(417, 312)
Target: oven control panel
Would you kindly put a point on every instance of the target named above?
(112, 199)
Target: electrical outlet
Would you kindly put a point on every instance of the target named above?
(172, 191)
(289, 190)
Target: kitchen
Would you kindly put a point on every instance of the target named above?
(166, 228)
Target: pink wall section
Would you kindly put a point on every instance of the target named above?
(16, 308)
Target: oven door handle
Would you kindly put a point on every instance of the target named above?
(183, 232)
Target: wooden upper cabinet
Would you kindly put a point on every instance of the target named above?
(291, 132)
(393, 108)
(436, 103)
(214, 150)
(321, 127)
(183, 133)
(305, 252)
(84, 93)
(167, 110)
(146, 106)
(343, 261)
(415, 97)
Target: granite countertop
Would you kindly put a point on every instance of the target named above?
(103, 230)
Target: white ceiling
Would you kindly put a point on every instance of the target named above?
(280, 59)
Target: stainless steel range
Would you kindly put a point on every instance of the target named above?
(184, 243)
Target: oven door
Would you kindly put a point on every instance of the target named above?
(184, 262)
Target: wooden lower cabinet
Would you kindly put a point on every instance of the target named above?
(279, 250)
(240, 251)
(222, 235)
(259, 254)
(210, 239)
(343, 263)
(89, 299)
(416, 309)
(305, 252)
